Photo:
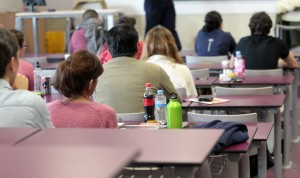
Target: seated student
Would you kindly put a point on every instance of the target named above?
(211, 39)
(25, 68)
(105, 55)
(160, 48)
(123, 82)
(18, 108)
(262, 51)
(89, 35)
(76, 79)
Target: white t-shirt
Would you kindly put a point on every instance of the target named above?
(180, 75)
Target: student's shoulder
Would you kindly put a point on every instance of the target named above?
(103, 108)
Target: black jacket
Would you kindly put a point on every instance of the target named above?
(234, 133)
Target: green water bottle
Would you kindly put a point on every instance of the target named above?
(174, 111)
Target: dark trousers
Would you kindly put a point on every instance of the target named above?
(161, 12)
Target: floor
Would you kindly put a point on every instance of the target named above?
(294, 172)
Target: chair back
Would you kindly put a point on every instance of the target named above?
(131, 117)
(244, 91)
(268, 72)
(181, 91)
(241, 118)
(199, 74)
(205, 59)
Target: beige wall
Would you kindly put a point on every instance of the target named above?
(188, 26)
(190, 15)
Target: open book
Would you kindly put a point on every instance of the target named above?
(214, 101)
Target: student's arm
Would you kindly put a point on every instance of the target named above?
(288, 62)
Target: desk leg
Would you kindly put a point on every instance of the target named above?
(19, 24)
(262, 160)
(110, 21)
(277, 144)
(287, 131)
(35, 36)
(295, 119)
(244, 166)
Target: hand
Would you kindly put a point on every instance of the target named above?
(21, 83)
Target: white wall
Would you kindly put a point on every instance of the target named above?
(190, 15)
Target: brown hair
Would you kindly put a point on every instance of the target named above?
(8, 49)
(19, 36)
(73, 76)
(159, 40)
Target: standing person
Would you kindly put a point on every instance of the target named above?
(161, 12)
(211, 40)
(160, 48)
(76, 79)
(25, 68)
(123, 82)
(262, 51)
(18, 108)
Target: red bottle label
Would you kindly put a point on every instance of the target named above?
(148, 102)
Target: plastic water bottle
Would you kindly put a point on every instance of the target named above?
(38, 79)
(174, 111)
(149, 103)
(160, 107)
(239, 65)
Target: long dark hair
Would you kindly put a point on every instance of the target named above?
(213, 20)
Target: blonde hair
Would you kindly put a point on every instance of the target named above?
(159, 40)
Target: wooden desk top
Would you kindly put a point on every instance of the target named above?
(10, 136)
(240, 101)
(261, 80)
(64, 161)
(165, 146)
(263, 131)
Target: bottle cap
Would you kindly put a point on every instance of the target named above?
(173, 96)
(238, 53)
(160, 92)
(37, 64)
(148, 84)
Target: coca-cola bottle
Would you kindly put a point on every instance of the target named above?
(149, 105)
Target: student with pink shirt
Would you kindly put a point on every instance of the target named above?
(76, 79)
(25, 68)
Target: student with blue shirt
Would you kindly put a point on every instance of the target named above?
(18, 108)
(211, 39)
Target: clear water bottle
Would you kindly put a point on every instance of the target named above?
(174, 111)
(160, 107)
(38, 79)
(149, 103)
(239, 65)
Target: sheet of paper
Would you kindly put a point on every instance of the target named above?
(214, 101)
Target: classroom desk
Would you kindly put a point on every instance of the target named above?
(64, 161)
(214, 68)
(157, 147)
(283, 82)
(11, 136)
(269, 102)
(176, 152)
(50, 66)
(108, 13)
